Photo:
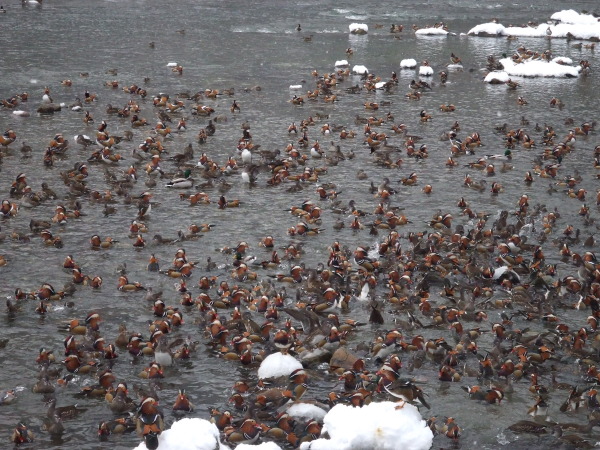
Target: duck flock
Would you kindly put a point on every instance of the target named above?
(324, 316)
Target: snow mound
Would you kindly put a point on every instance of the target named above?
(189, 434)
(567, 23)
(563, 60)
(278, 365)
(425, 71)
(431, 32)
(359, 28)
(488, 29)
(306, 411)
(341, 63)
(172, 64)
(496, 77)
(360, 70)
(375, 426)
(573, 17)
(539, 68)
(408, 63)
(295, 87)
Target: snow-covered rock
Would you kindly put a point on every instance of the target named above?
(382, 426)
(496, 77)
(425, 71)
(189, 434)
(306, 411)
(360, 70)
(278, 365)
(431, 32)
(408, 63)
(563, 60)
(359, 28)
(539, 68)
(566, 23)
(573, 17)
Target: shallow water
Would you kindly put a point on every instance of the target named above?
(241, 45)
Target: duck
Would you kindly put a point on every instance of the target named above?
(182, 402)
(7, 138)
(184, 182)
(247, 433)
(149, 423)
(424, 116)
(125, 285)
(162, 352)
(98, 243)
(21, 434)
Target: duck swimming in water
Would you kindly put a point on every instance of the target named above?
(182, 182)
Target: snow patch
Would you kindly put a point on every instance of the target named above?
(358, 28)
(408, 63)
(425, 71)
(375, 426)
(278, 365)
(496, 77)
(189, 434)
(566, 23)
(539, 68)
(360, 70)
(306, 411)
(431, 32)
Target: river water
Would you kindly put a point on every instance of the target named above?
(242, 45)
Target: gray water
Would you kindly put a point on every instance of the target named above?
(243, 45)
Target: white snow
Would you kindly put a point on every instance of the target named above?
(360, 70)
(573, 17)
(364, 292)
(563, 60)
(341, 63)
(358, 28)
(501, 271)
(408, 63)
(490, 28)
(189, 434)
(278, 365)
(172, 64)
(580, 26)
(431, 32)
(425, 71)
(497, 76)
(375, 426)
(539, 68)
(380, 84)
(306, 411)
(295, 87)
